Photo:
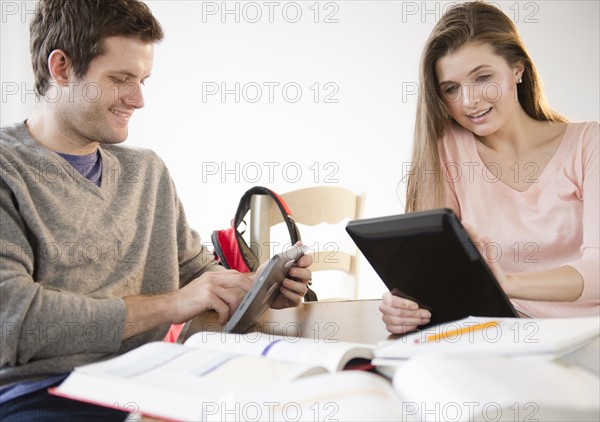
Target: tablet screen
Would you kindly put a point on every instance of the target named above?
(429, 258)
(264, 290)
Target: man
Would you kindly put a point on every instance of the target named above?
(96, 256)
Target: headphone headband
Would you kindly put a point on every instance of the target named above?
(244, 207)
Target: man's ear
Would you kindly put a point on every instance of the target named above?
(59, 66)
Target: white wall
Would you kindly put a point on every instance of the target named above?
(362, 54)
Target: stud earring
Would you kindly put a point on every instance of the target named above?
(520, 80)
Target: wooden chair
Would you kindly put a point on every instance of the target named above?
(313, 206)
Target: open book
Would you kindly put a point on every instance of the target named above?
(198, 382)
(478, 336)
(484, 388)
(333, 355)
(186, 382)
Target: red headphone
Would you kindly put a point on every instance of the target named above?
(231, 249)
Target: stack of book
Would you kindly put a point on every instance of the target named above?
(472, 369)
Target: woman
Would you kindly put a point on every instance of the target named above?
(511, 169)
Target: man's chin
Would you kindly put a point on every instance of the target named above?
(114, 140)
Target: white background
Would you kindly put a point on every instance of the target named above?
(355, 63)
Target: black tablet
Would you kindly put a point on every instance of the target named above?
(429, 258)
(264, 290)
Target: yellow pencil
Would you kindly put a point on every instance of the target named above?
(482, 326)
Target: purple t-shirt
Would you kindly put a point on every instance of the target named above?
(89, 166)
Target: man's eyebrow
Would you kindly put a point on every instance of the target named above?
(476, 69)
(128, 73)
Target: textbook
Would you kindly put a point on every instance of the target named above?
(550, 337)
(177, 382)
(186, 381)
(485, 388)
(331, 354)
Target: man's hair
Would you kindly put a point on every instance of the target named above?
(79, 28)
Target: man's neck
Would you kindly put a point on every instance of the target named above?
(44, 127)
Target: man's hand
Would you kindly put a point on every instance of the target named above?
(294, 287)
(221, 291)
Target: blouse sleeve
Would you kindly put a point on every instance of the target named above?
(589, 263)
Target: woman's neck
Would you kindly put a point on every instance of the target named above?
(517, 136)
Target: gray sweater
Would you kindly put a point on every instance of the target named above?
(70, 251)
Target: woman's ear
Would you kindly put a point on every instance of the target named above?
(519, 69)
(59, 66)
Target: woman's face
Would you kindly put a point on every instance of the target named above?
(479, 88)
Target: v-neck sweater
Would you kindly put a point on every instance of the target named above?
(71, 250)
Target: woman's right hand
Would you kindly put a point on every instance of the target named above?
(402, 315)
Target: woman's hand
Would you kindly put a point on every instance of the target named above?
(480, 242)
(402, 315)
(558, 284)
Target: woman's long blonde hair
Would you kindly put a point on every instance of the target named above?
(468, 22)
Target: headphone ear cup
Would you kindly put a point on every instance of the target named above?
(219, 253)
(230, 251)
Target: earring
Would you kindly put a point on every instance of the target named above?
(520, 80)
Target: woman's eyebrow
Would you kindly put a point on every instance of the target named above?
(476, 69)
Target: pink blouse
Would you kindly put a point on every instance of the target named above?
(555, 222)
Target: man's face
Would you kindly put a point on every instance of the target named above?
(101, 103)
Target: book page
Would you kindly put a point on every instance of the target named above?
(509, 336)
(467, 388)
(159, 360)
(331, 354)
(340, 396)
(168, 379)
